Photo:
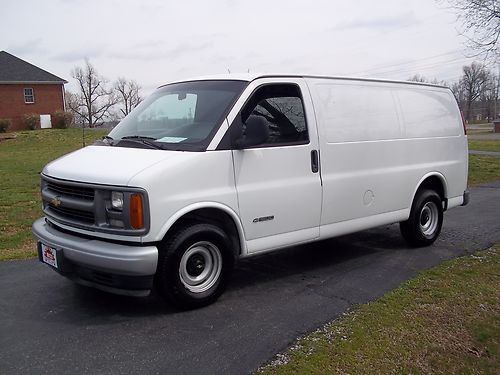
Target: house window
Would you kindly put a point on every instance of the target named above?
(29, 96)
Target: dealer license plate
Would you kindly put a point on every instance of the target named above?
(49, 255)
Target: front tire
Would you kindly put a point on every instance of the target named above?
(194, 265)
(426, 219)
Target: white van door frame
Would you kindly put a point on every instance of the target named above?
(279, 188)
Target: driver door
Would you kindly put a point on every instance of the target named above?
(278, 181)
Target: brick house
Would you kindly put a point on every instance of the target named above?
(26, 89)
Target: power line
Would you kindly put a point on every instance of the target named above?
(423, 67)
(406, 63)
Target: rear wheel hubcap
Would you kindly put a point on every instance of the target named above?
(429, 219)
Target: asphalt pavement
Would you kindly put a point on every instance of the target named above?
(485, 153)
(49, 325)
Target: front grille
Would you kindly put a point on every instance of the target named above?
(73, 214)
(88, 206)
(78, 192)
(69, 202)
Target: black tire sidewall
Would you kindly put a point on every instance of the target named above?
(171, 253)
(411, 229)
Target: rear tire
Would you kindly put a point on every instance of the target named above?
(194, 265)
(426, 219)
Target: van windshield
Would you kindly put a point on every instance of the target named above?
(181, 116)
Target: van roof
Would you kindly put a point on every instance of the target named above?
(248, 77)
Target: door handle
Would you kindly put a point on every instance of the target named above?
(314, 161)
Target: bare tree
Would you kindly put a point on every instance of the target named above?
(458, 90)
(473, 83)
(128, 93)
(71, 99)
(489, 96)
(480, 21)
(417, 78)
(95, 99)
(420, 78)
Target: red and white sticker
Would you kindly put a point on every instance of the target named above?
(49, 255)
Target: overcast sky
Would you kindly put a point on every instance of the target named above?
(156, 41)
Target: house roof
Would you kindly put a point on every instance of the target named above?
(15, 70)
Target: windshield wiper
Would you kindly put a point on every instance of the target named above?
(138, 137)
(105, 141)
(143, 140)
(108, 140)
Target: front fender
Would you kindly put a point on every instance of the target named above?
(196, 206)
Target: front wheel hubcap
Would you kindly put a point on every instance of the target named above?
(200, 266)
(429, 219)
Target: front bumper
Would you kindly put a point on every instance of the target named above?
(109, 266)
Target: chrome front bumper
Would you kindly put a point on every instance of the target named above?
(97, 254)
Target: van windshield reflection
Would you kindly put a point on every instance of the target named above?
(181, 116)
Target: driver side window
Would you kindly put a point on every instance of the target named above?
(281, 108)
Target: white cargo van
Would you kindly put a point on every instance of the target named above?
(207, 171)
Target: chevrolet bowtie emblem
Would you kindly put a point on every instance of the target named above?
(56, 202)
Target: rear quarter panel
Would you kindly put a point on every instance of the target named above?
(379, 140)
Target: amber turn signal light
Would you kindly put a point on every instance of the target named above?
(136, 211)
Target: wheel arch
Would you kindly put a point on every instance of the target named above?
(433, 181)
(214, 213)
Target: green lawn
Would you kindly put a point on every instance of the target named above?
(445, 321)
(21, 160)
(483, 169)
(493, 145)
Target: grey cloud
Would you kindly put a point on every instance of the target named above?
(143, 50)
(151, 7)
(148, 44)
(190, 47)
(26, 48)
(397, 21)
(152, 50)
(77, 55)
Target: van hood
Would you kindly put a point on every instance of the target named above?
(109, 165)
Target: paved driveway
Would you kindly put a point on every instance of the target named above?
(485, 153)
(49, 325)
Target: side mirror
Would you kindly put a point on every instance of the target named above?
(256, 132)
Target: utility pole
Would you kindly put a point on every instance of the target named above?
(497, 94)
(83, 133)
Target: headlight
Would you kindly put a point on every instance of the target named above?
(117, 200)
(127, 210)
